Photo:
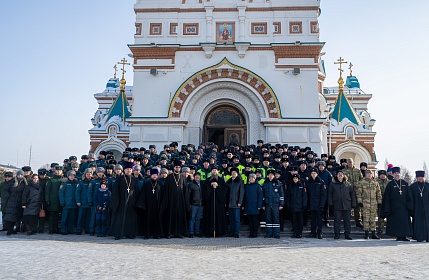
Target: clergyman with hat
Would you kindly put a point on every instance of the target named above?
(396, 207)
(176, 203)
(123, 205)
(419, 192)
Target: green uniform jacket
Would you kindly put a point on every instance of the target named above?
(354, 175)
(368, 193)
(383, 184)
(51, 193)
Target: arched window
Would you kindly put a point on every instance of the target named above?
(225, 116)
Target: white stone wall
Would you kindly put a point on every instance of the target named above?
(297, 94)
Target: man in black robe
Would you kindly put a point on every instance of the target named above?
(214, 192)
(176, 203)
(419, 192)
(150, 200)
(396, 207)
(123, 205)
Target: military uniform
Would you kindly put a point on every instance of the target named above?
(381, 222)
(52, 200)
(84, 212)
(67, 197)
(369, 197)
(92, 188)
(354, 175)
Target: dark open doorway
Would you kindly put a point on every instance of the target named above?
(224, 125)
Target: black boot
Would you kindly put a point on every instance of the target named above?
(348, 237)
(337, 236)
(366, 235)
(319, 235)
(374, 235)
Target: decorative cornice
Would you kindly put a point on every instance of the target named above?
(225, 10)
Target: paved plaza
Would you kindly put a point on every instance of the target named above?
(44, 256)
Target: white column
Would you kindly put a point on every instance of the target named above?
(242, 18)
(209, 22)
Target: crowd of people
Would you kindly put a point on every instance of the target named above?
(210, 191)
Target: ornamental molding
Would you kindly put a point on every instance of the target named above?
(225, 71)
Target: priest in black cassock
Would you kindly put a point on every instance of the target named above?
(419, 192)
(397, 206)
(123, 205)
(176, 203)
(150, 200)
(214, 192)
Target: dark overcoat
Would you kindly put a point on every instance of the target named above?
(341, 195)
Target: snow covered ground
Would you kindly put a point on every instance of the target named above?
(44, 256)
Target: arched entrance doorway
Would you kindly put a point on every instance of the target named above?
(225, 125)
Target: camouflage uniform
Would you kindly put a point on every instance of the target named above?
(381, 222)
(354, 175)
(369, 194)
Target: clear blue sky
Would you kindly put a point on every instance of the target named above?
(56, 54)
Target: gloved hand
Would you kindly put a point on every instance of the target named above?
(99, 208)
(360, 204)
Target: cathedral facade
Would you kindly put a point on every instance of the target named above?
(225, 71)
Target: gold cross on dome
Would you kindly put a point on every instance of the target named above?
(123, 62)
(350, 68)
(340, 61)
(116, 69)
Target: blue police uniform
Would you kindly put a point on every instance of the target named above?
(273, 198)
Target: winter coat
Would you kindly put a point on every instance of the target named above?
(296, 197)
(317, 193)
(195, 193)
(102, 200)
(341, 195)
(5, 194)
(67, 194)
(326, 176)
(236, 192)
(252, 199)
(31, 199)
(368, 193)
(81, 193)
(51, 193)
(14, 198)
(92, 187)
(354, 175)
(382, 184)
(273, 194)
(42, 184)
